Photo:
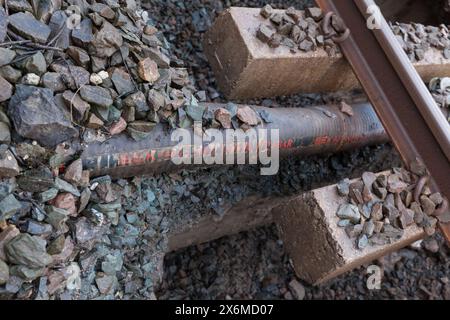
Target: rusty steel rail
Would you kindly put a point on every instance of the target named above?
(400, 98)
(302, 131)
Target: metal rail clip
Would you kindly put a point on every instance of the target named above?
(334, 27)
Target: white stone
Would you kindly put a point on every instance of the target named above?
(31, 79)
(103, 74)
(95, 79)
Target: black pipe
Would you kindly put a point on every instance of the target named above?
(302, 131)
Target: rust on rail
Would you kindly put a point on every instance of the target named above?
(400, 98)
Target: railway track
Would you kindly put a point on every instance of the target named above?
(404, 105)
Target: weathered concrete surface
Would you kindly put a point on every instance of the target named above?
(247, 68)
(252, 212)
(320, 250)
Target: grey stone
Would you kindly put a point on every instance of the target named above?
(363, 241)
(112, 263)
(56, 217)
(8, 207)
(306, 45)
(265, 33)
(36, 228)
(74, 102)
(36, 180)
(406, 218)
(6, 56)
(62, 185)
(8, 165)
(366, 210)
(79, 76)
(58, 22)
(26, 273)
(267, 11)
(86, 232)
(97, 96)
(431, 245)
(4, 118)
(9, 233)
(138, 102)
(418, 213)
(369, 178)
(5, 133)
(13, 285)
(377, 212)
(53, 81)
(428, 206)
(79, 55)
(83, 35)
(3, 24)
(6, 89)
(46, 9)
(156, 55)
(297, 289)
(380, 192)
(122, 81)
(354, 231)
(265, 116)
(36, 64)
(56, 246)
(84, 199)
(19, 6)
(344, 223)
(48, 195)
(28, 27)
(103, 10)
(106, 41)
(395, 185)
(4, 273)
(350, 212)
(343, 187)
(392, 233)
(10, 74)
(140, 130)
(156, 99)
(194, 110)
(436, 198)
(36, 116)
(446, 53)
(106, 284)
(28, 250)
(369, 228)
(98, 64)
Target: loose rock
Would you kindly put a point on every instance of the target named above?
(27, 250)
(97, 96)
(8, 164)
(28, 27)
(8, 207)
(36, 116)
(350, 212)
(248, 116)
(148, 70)
(4, 273)
(6, 91)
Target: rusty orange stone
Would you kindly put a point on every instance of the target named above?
(66, 201)
(118, 127)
